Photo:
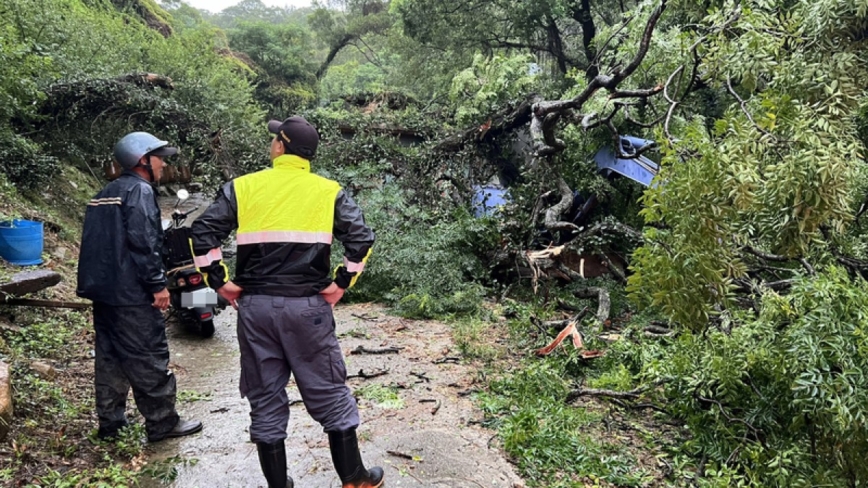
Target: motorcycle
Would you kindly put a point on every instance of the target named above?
(191, 300)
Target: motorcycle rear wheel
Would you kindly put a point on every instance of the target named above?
(206, 329)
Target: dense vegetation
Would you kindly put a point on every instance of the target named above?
(748, 252)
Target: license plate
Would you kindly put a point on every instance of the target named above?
(205, 297)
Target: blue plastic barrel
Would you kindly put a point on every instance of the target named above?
(21, 242)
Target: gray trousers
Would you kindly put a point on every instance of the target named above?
(132, 350)
(279, 336)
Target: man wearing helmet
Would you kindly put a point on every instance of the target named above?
(120, 268)
(286, 218)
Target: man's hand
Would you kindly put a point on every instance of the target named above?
(161, 299)
(333, 294)
(230, 291)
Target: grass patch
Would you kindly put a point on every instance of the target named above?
(477, 338)
(189, 396)
(382, 396)
(555, 444)
(53, 441)
(355, 333)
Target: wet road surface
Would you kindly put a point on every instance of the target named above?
(427, 438)
(432, 424)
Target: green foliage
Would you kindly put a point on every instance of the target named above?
(112, 476)
(66, 93)
(53, 417)
(553, 442)
(24, 162)
(775, 172)
(423, 264)
(352, 77)
(255, 11)
(473, 336)
(283, 59)
(47, 337)
(430, 256)
(383, 396)
(488, 84)
(782, 397)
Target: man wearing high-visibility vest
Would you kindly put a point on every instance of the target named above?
(285, 219)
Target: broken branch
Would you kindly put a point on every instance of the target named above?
(366, 376)
(387, 350)
(603, 300)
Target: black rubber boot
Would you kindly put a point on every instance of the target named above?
(272, 459)
(348, 462)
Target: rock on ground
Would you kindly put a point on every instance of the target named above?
(29, 282)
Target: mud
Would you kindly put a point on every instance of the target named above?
(427, 438)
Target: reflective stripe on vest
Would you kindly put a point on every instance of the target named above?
(285, 204)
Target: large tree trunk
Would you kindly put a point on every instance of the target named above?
(335, 49)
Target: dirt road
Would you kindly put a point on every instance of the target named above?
(417, 422)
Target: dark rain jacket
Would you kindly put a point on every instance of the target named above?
(286, 218)
(120, 262)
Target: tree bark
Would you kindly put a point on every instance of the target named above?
(585, 18)
(603, 300)
(556, 44)
(335, 49)
(506, 120)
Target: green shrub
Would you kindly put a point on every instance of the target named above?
(61, 84)
(782, 399)
(424, 264)
(24, 162)
(554, 444)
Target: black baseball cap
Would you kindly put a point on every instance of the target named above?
(298, 136)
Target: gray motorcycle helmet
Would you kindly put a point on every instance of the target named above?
(130, 149)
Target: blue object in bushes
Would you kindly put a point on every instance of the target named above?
(488, 199)
(21, 242)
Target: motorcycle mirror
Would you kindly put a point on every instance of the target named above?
(182, 195)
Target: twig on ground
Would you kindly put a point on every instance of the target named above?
(447, 359)
(366, 376)
(387, 350)
(432, 400)
(403, 455)
(657, 330)
(365, 317)
(421, 376)
(603, 300)
(628, 395)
